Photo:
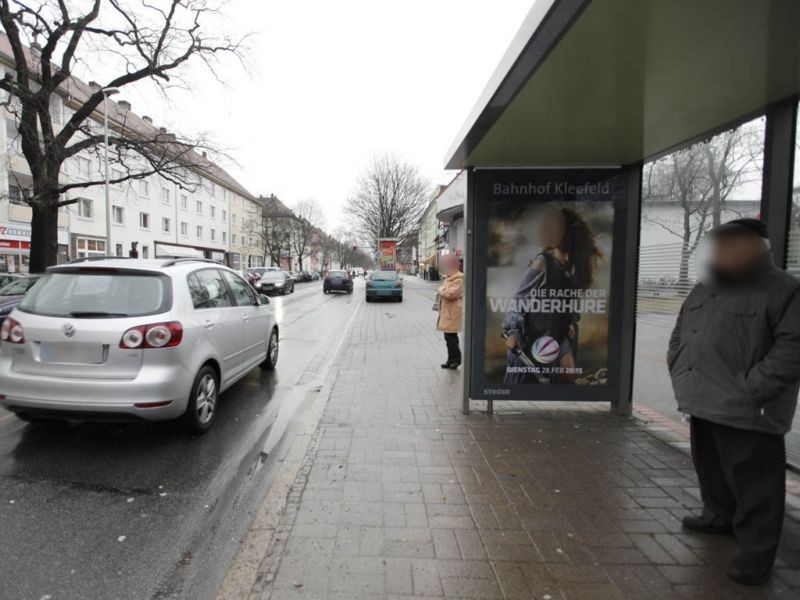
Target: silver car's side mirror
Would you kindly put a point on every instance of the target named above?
(263, 299)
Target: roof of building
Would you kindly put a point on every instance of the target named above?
(273, 207)
(76, 92)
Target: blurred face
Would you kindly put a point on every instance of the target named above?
(732, 254)
(448, 264)
(550, 227)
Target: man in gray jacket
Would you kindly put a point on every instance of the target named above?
(734, 360)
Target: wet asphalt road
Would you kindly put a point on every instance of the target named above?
(143, 511)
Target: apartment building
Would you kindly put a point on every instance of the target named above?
(196, 212)
(246, 248)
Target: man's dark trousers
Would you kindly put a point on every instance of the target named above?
(453, 349)
(742, 477)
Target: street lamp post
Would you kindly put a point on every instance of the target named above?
(106, 93)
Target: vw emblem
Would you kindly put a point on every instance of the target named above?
(68, 329)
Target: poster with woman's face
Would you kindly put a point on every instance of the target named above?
(548, 281)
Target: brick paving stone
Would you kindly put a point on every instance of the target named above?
(401, 496)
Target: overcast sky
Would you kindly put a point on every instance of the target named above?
(331, 83)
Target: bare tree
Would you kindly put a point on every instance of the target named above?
(308, 221)
(153, 42)
(699, 180)
(389, 198)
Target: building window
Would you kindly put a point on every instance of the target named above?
(85, 208)
(224, 236)
(86, 247)
(199, 232)
(244, 222)
(233, 238)
(144, 188)
(184, 201)
(118, 249)
(213, 234)
(235, 262)
(18, 194)
(224, 215)
(145, 252)
(13, 142)
(84, 167)
(144, 220)
(116, 174)
(184, 228)
(165, 195)
(212, 211)
(118, 215)
(233, 218)
(165, 224)
(212, 189)
(199, 207)
(56, 110)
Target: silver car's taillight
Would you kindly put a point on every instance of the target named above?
(155, 335)
(12, 332)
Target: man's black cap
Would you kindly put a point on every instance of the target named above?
(740, 226)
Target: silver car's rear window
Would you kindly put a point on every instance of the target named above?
(98, 294)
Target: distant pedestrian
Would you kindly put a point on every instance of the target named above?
(451, 294)
(734, 360)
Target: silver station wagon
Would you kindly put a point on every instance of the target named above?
(120, 339)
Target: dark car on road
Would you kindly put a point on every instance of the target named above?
(385, 284)
(337, 281)
(12, 294)
(275, 282)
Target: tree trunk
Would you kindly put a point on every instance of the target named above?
(44, 234)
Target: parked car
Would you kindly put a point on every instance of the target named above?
(337, 281)
(258, 272)
(6, 278)
(307, 276)
(12, 293)
(250, 275)
(384, 284)
(121, 339)
(275, 282)
(315, 275)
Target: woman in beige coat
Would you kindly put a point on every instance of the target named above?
(451, 294)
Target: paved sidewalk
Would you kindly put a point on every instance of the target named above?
(401, 496)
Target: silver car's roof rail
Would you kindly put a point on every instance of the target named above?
(174, 261)
(94, 258)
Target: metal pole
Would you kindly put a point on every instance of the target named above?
(469, 283)
(776, 192)
(108, 191)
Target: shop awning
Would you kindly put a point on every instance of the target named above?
(612, 82)
(171, 251)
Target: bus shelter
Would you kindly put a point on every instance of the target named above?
(593, 102)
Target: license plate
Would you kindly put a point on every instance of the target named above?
(71, 353)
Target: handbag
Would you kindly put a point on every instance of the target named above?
(436, 302)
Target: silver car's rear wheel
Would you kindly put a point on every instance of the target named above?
(206, 401)
(202, 407)
(272, 352)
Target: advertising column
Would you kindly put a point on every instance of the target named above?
(388, 254)
(546, 282)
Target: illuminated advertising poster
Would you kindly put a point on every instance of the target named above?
(544, 271)
(388, 257)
